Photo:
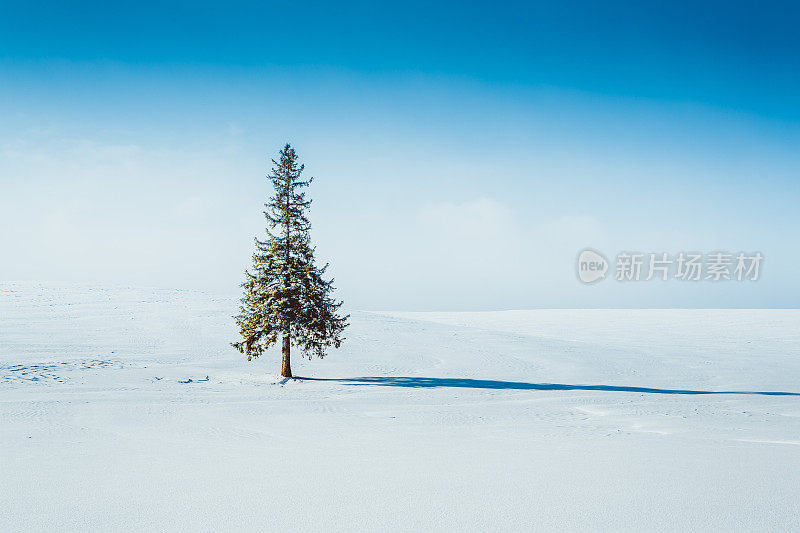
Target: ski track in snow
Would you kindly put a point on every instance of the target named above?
(127, 409)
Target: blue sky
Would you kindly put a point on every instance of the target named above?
(464, 154)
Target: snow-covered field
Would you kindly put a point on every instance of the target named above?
(126, 409)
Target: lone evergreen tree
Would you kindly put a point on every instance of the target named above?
(285, 293)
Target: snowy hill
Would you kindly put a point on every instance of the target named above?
(127, 408)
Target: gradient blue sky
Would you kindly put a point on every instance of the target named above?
(464, 153)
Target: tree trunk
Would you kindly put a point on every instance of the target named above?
(286, 367)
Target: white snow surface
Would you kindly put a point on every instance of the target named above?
(127, 409)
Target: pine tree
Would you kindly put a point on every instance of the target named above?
(284, 292)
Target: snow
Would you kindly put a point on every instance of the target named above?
(127, 409)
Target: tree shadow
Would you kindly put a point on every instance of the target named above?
(424, 383)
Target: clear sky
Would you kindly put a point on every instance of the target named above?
(463, 153)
